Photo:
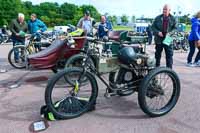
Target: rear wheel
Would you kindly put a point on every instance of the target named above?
(159, 92)
(185, 45)
(67, 101)
(177, 45)
(77, 61)
(16, 57)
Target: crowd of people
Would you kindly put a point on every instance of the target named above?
(163, 24)
(19, 27)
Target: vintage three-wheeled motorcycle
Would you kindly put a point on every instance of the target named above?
(74, 91)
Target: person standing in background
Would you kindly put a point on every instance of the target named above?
(149, 33)
(194, 40)
(86, 23)
(162, 25)
(18, 27)
(104, 27)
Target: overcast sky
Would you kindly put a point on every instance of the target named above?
(148, 8)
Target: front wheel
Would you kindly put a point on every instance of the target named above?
(159, 91)
(17, 58)
(67, 101)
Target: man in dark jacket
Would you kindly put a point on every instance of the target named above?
(18, 27)
(162, 25)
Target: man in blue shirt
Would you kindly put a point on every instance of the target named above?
(35, 25)
(104, 27)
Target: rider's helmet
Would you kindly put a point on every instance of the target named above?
(126, 55)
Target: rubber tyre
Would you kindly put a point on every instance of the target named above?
(51, 84)
(75, 58)
(72, 60)
(10, 55)
(143, 88)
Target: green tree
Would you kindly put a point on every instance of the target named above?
(133, 19)
(124, 19)
(93, 11)
(185, 19)
(9, 10)
(46, 20)
(114, 20)
(69, 12)
(51, 13)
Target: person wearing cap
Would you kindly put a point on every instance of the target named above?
(86, 23)
(18, 27)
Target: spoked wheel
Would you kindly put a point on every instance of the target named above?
(185, 45)
(159, 91)
(67, 101)
(76, 61)
(121, 77)
(176, 46)
(16, 57)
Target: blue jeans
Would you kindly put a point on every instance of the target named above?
(191, 53)
(15, 43)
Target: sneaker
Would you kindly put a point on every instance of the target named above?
(190, 64)
(196, 64)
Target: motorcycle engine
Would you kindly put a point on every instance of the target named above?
(144, 60)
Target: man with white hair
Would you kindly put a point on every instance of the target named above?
(163, 25)
(18, 27)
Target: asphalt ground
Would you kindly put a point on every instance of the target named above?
(20, 107)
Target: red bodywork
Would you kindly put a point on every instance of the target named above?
(49, 57)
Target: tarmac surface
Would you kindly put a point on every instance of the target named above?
(20, 106)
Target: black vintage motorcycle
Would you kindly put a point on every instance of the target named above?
(73, 91)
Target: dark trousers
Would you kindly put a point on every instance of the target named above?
(168, 53)
(191, 53)
(15, 43)
(150, 40)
